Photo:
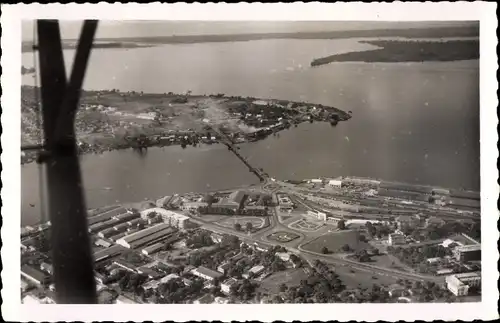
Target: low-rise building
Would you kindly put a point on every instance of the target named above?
(174, 219)
(125, 265)
(216, 238)
(153, 274)
(444, 271)
(285, 256)
(223, 267)
(396, 239)
(407, 221)
(467, 253)
(335, 183)
(46, 267)
(168, 278)
(226, 285)
(206, 273)
(34, 275)
(459, 284)
(192, 206)
(434, 221)
(317, 214)
(254, 271)
(434, 260)
(102, 243)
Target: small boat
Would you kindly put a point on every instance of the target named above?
(107, 188)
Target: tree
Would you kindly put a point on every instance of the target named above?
(237, 226)
(324, 250)
(341, 225)
(249, 226)
(346, 247)
(283, 288)
(209, 199)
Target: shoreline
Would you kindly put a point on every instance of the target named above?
(151, 128)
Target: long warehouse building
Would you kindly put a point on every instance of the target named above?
(145, 236)
(108, 253)
(102, 210)
(142, 233)
(106, 215)
(149, 239)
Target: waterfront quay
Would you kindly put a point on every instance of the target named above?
(259, 243)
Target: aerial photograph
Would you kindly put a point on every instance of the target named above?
(250, 162)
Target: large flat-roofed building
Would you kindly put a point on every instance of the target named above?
(146, 237)
(468, 253)
(206, 273)
(174, 219)
(145, 232)
(34, 275)
(459, 284)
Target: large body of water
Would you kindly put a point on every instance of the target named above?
(412, 122)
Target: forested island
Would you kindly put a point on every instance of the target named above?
(392, 51)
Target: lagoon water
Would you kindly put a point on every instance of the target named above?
(412, 122)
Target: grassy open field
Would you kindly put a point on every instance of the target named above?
(353, 278)
(335, 240)
(290, 277)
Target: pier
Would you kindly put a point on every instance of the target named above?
(232, 147)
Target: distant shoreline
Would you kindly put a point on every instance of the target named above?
(135, 42)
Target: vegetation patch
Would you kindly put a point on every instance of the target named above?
(283, 236)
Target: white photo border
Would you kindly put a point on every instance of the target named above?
(12, 15)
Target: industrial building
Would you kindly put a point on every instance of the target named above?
(147, 236)
(108, 253)
(467, 253)
(459, 284)
(174, 219)
(34, 275)
(152, 248)
(206, 273)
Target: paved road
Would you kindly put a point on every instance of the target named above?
(310, 257)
